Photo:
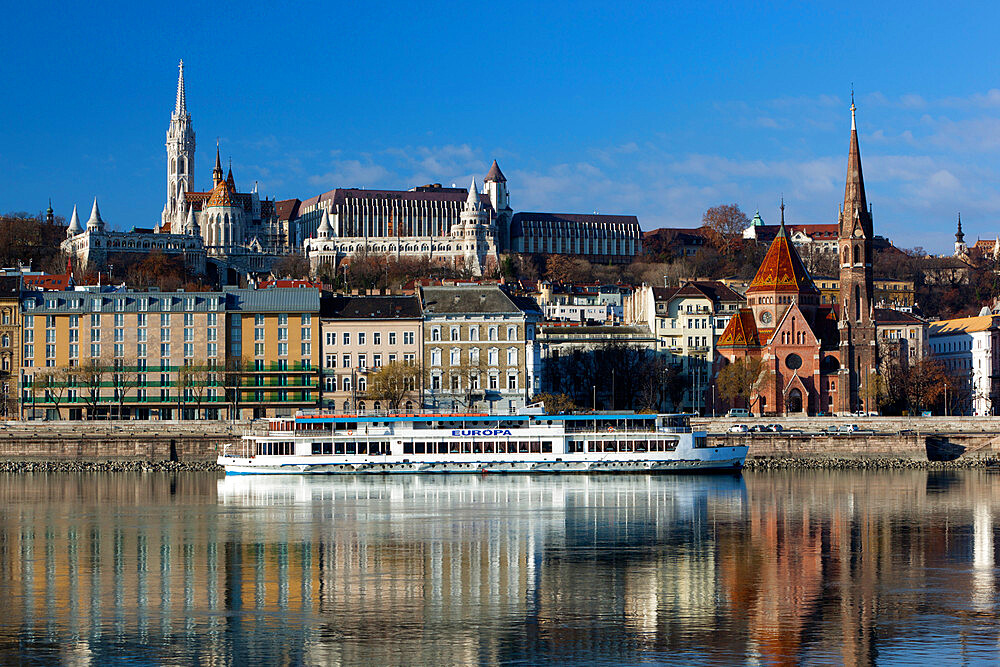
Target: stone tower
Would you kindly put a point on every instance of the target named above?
(496, 190)
(858, 352)
(180, 156)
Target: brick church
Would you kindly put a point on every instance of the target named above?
(820, 357)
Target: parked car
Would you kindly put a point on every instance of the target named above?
(738, 412)
(850, 428)
(833, 429)
(739, 428)
(760, 428)
(777, 428)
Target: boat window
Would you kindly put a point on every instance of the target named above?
(489, 447)
(536, 447)
(350, 448)
(338, 448)
(522, 447)
(546, 446)
(466, 447)
(700, 442)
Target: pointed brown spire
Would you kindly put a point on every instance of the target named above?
(854, 192)
(494, 174)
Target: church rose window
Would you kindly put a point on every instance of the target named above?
(793, 362)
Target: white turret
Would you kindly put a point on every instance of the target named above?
(325, 229)
(95, 224)
(191, 227)
(74, 225)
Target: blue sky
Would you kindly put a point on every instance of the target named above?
(659, 109)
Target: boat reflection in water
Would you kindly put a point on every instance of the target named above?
(776, 568)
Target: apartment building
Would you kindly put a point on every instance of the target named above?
(360, 335)
(274, 350)
(480, 350)
(687, 321)
(98, 353)
(969, 348)
(10, 344)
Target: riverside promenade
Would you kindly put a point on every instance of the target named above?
(813, 440)
(808, 441)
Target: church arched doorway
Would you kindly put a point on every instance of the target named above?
(794, 403)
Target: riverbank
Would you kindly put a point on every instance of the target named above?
(109, 466)
(878, 463)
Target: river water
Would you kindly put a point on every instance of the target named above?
(894, 567)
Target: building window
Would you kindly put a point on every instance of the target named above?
(436, 334)
(407, 338)
(376, 338)
(347, 338)
(306, 349)
(392, 337)
(282, 349)
(346, 359)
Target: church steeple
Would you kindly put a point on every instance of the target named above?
(180, 156)
(180, 106)
(855, 202)
(217, 172)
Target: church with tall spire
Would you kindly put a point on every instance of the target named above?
(820, 357)
(237, 228)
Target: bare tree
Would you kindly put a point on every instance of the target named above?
(192, 383)
(124, 375)
(743, 379)
(90, 376)
(725, 224)
(392, 383)
(51, 382)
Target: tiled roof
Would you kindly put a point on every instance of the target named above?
(222, 195)
(287, 209)
(62, 281)
(371, 307)
(741, 332)
(275, 300)
(891, 316)
(782, 269)
(961, 325)
(495, 174)
(467, 299)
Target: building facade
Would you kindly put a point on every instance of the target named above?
(480, 348)
(969, 348)
(360, 335)
(10, 344)
(93, 246)
(614, 239)
(445, 225)
(99, 352)
(687, 322)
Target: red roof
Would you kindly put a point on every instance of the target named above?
(782, 269)
(265, 284)
(58, 282)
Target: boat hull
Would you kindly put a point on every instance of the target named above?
(719, 461)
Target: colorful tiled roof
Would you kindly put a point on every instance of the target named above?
(782, 269)
(741, 331)
(222, 195)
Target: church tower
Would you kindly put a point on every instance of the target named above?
(961, 248)
(858, 353)
(496, 190)
(180, 156)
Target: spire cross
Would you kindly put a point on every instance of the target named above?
(854, 125)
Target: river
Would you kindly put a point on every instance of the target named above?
(788, 567)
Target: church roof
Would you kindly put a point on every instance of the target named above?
(495, 174)
(782, 269)
(222, 195)
(741, 331)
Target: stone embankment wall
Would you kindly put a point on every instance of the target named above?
(118, 440)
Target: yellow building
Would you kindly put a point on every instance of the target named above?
(888, 293)
(133, 354)
(10, 344)
(274, 350)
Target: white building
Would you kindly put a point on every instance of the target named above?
(687, 322)
(969, 347)
(398, 224)
(93, 247)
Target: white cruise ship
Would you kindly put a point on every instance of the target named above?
(316, 443)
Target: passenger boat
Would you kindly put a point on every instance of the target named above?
(529, 442)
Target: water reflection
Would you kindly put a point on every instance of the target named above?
(775, 568)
